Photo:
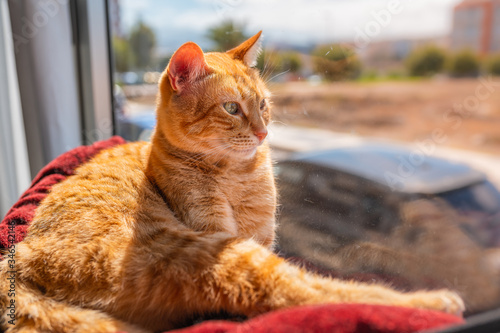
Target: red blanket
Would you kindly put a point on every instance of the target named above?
(340, 318)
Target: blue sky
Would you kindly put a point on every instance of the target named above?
(297, 22)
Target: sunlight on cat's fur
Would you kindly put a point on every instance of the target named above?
(145, 235)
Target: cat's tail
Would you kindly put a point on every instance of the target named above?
(23, 310)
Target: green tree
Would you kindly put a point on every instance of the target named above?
(123, 56)
(142, 42)
(336, 62)
(493, 65)
(426, 61)
(464, 64)
(226, 35)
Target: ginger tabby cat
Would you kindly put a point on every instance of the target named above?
(147, 235)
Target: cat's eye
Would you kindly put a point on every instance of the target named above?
(231, 107)
(263, 104)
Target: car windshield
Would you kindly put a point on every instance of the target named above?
(482, 198)
(479, 208)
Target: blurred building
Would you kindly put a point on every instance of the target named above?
(476, 25)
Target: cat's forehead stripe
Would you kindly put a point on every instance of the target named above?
(240, 89)
(232, 93)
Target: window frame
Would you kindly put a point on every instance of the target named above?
(93, 54)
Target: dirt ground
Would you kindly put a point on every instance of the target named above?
(460, 113)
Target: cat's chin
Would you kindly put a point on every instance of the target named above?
(244, 153)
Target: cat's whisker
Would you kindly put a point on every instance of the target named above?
(223, 156)
(209, 153)
(265, 69)
(198, 156)
(188, 133)
(210, 140)
(277, 75)
(274, 94)
(278, 122)
(269, 65)
(265, 75)
(215, 151)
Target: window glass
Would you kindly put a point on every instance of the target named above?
(366, 95)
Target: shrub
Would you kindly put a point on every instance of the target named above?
(336, 63)
(370, 75)
(493, 65)
(464, 64)
(272, 63)
(426, 61)
(396, 75)
(290, 61)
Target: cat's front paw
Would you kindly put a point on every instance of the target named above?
(440, 300)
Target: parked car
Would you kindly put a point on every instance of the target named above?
(362, 187)
(366, 210)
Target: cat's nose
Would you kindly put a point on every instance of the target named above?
(261, 135)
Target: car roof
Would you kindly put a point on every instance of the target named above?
(397, 167)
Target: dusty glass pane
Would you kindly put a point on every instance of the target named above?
(385, 131)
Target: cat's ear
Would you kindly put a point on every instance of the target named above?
(186, 66)
(248, 51)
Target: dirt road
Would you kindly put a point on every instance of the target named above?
(457, 113)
